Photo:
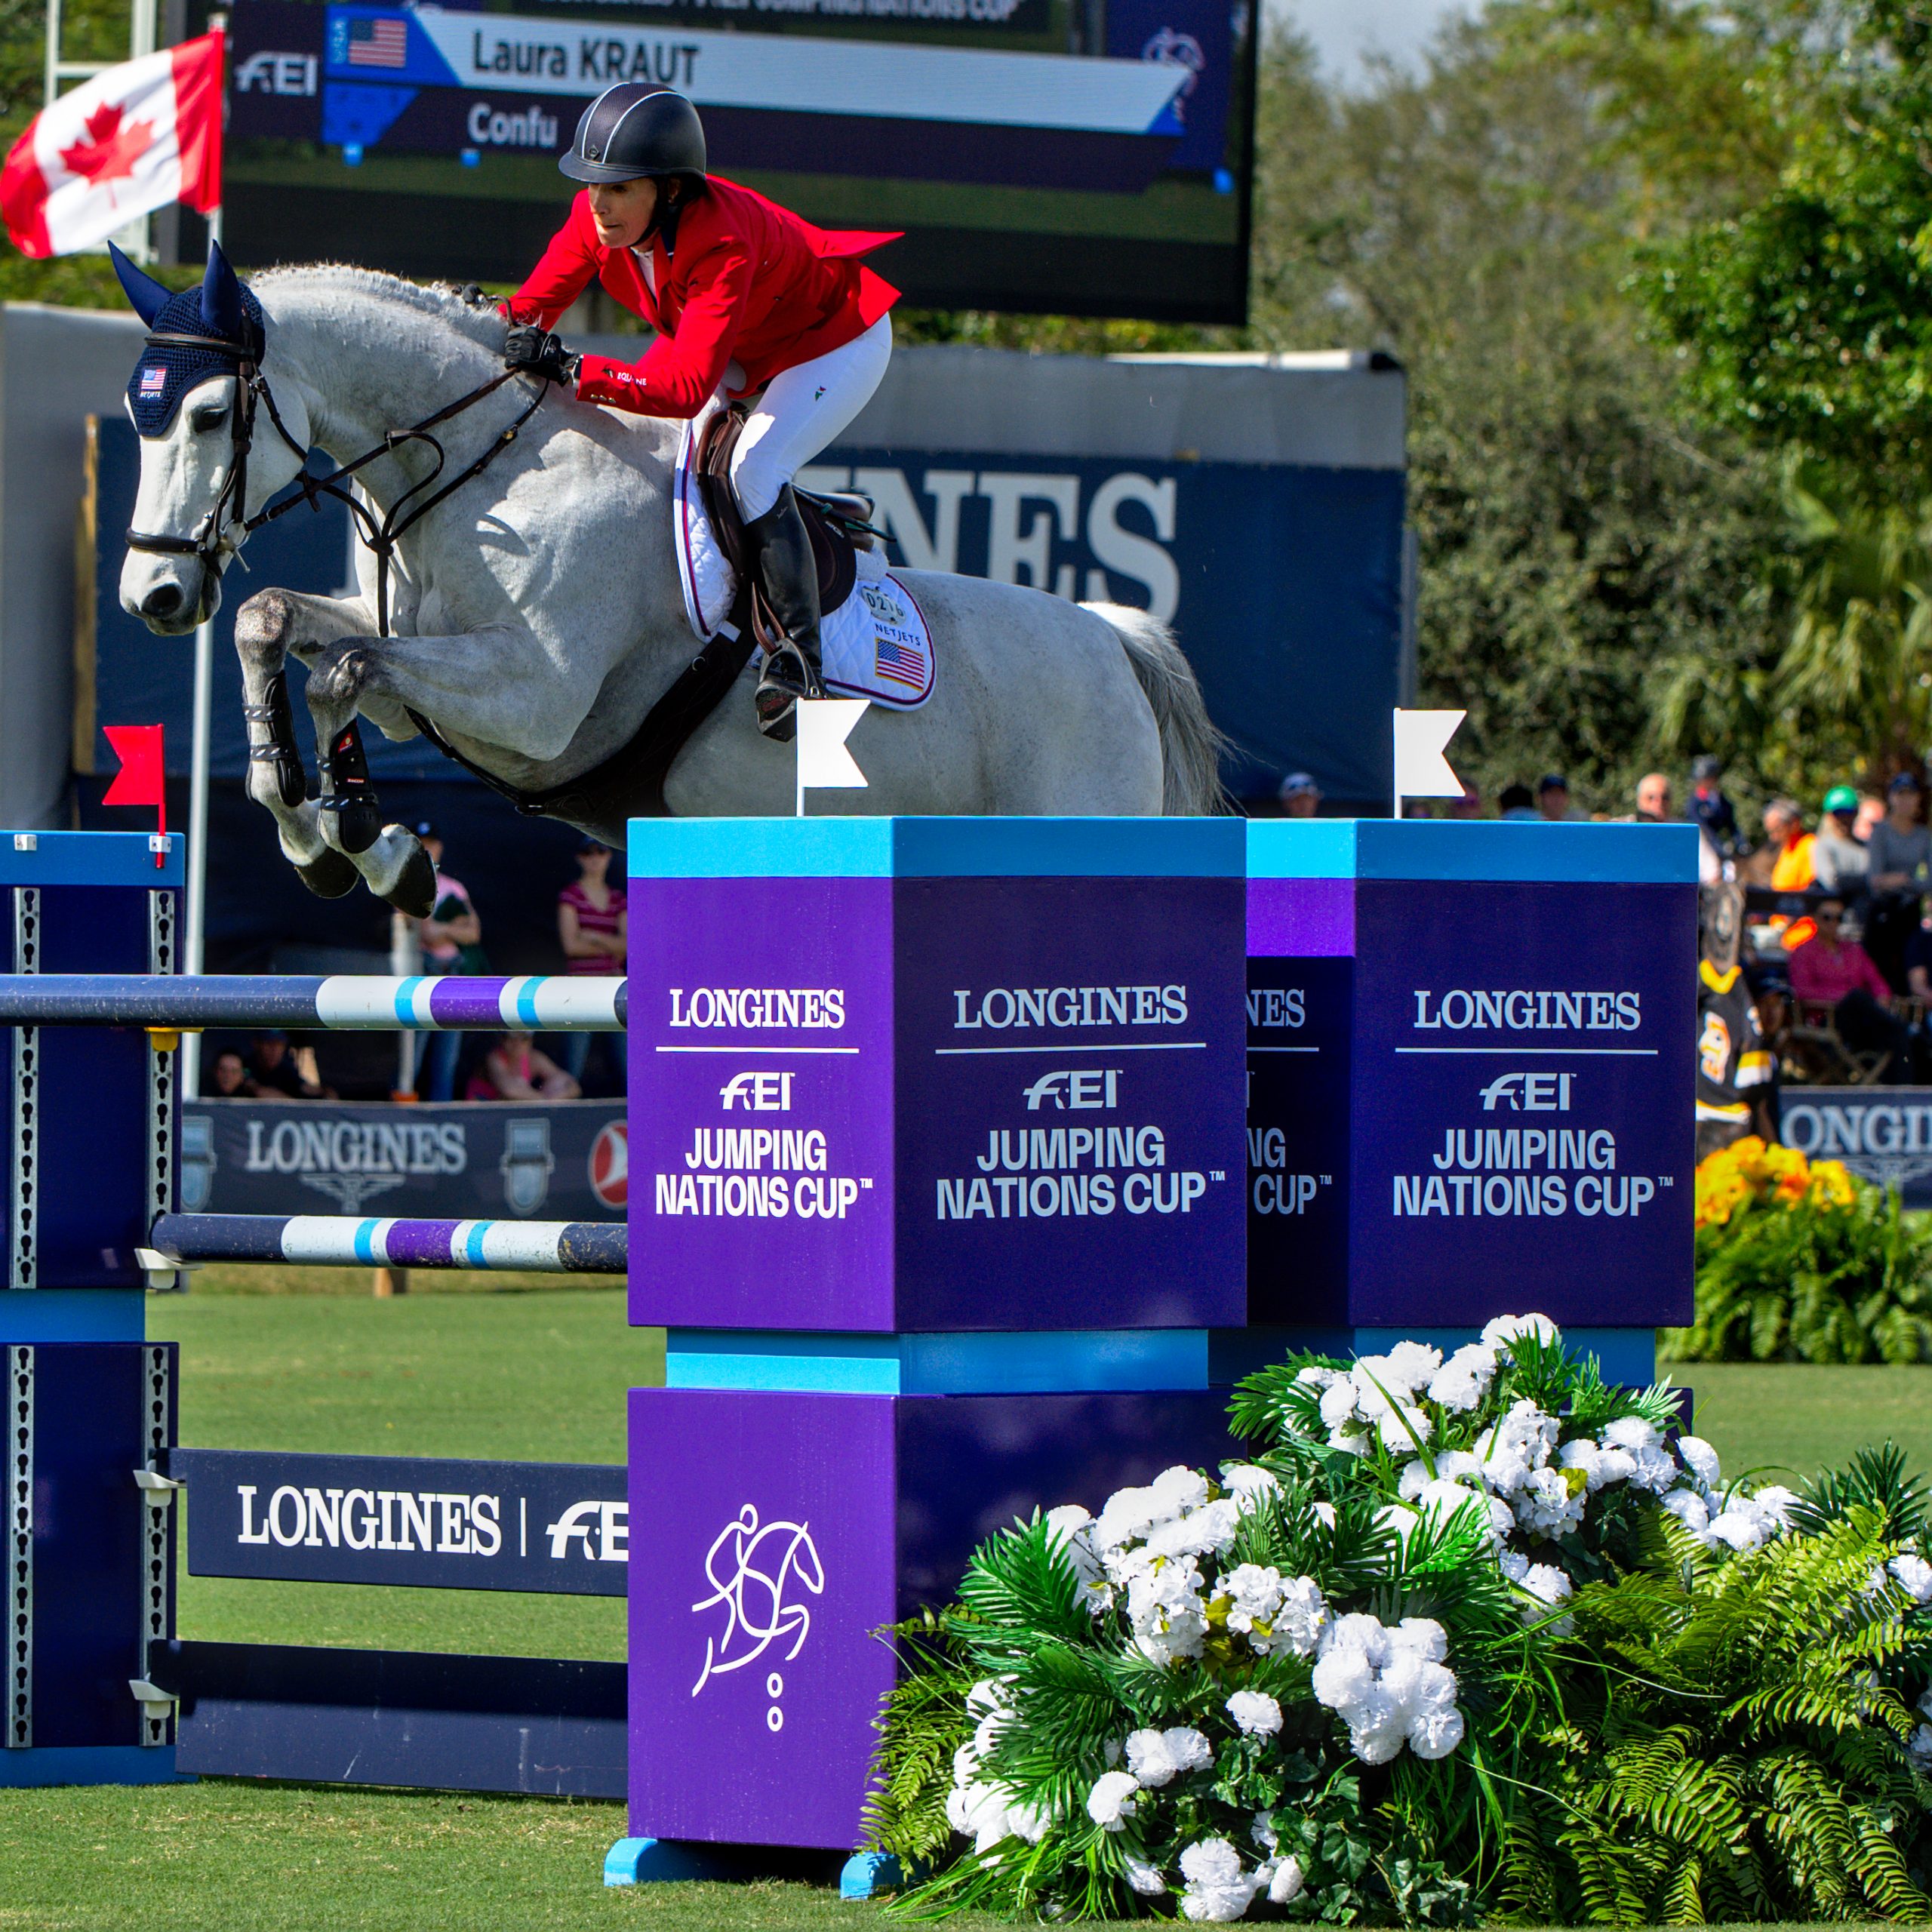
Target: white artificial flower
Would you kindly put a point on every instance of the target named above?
(1071, 1527)
(1157, 1757)
(1178, 1489)
(1743, 1528)
(1502, 1519)
(1506, 1328)
(1285, 1882)
(1300, 1623)
(1253, 1594)
(1513, 1564)
(1360, 1631)
(1691, 1510)
(1342, 1679)
(1126, 1515)
(1145, 1878)
(1545, 1504)
(1203, 1532)
(1378, 1725)
(1414, 1478)
(1348, 1442)
(1656, 1471)
(1463, 1380)
(1248, 1485)
(1435, 1733)
(1776, 1501)
(1404, 1427)
(1448, 1499)
(1324, 1514)
(1700, 1459)
(1407, 1367)
(1265, 1835)
(1165, 1609)
(1316, 1376)
(1418, 1637)
(1067, 1520)
(1915, 1576)
(1549, 1586)
(1393, 1516)
(1218, 1891)
(1111, 1802)
(1338, 1403)
(1255, 1713)
(1630, 1432)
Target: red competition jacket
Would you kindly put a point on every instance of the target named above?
(749, 282)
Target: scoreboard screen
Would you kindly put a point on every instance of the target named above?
(1084, 157)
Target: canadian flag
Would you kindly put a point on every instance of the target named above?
(130, 141)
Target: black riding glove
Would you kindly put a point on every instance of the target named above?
(534, 351)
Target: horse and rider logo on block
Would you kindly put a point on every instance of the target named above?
(543, 532)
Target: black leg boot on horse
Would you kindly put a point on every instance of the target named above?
(784, 574)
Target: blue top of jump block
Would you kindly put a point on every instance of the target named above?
(1383, 848)
(88, 858)
(937, 848)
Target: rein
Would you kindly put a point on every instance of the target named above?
(213, 543)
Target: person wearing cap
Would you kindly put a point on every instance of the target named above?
(1300, 796)
(1553, 798)
(1842, 864)
(746, 297)
(1711, 809)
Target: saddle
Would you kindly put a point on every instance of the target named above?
(838, 522)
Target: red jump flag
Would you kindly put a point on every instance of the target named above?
(143, 778)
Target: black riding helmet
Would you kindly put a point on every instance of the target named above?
(635, 129)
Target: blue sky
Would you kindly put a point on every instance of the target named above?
(1343, 30)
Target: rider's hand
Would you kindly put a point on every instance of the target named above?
(534, 350)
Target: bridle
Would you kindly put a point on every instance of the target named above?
(219, 534)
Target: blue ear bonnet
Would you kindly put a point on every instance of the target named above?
(167, 371)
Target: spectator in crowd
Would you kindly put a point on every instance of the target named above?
(1871, 812)
(1553, 798)
(279, 1072)
(1783, 861)
(515, 1070)
(1828, 971)
(593, 928)
(1900, 849)
(1919, 963)
(1842, 864)
(1653, 799)
(1516, 805)
(452, 941)
(228, 1078)
(1711, 809)
(1300, 796)
(1899, 852)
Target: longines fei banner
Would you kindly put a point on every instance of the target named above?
(1884, 1133)
(567, 1161)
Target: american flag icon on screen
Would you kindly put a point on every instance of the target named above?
(379, 43)
(154, 380)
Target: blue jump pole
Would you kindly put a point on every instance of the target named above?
(537, 1003)
(349, 1241)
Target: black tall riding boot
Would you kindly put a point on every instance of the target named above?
(782, 564)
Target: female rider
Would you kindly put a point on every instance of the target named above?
(744, 294)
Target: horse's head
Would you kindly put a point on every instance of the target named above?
(204, 470)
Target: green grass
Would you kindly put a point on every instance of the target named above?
(495, 1367)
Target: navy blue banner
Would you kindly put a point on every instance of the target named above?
(469, 1161)
(561, 1529)
(1882, 1133)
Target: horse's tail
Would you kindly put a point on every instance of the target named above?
(1190, 746)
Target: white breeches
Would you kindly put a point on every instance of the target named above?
(801, 412)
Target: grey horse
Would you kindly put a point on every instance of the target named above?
(535, 616)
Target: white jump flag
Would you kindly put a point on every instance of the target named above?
(824, 763)
(1421, 770)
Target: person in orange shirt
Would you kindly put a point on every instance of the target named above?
(1794, 867)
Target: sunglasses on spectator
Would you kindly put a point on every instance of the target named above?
(1828, 919)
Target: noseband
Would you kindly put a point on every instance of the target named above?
(227, 522)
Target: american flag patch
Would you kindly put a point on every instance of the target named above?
(381, 43)
(153, 381)
(901, 665)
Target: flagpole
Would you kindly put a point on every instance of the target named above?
(192, 952)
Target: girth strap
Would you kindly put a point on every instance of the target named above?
(643, 764)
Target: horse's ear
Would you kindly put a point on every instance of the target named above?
(146, 296)
(221, 298)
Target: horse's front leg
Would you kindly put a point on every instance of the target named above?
(497, 684)
(267, 628)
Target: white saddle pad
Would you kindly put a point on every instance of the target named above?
(877, 645)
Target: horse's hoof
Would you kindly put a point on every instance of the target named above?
(329, 875)
(415, 892)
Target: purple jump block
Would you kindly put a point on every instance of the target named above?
(1470, 1051)
(887, 1103)
(773, 1534)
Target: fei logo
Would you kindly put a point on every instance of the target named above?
(757, 1575)
(1089, 1087)
(1528, 1093)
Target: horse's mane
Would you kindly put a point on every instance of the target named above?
(436, 301)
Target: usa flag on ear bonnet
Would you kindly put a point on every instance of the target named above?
(128, 142)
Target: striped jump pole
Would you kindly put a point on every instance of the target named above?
(536, 1003)
(350, 1241)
